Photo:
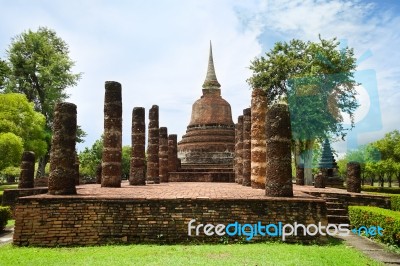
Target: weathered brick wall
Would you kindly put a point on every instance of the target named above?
(10, 196)
(67, 220)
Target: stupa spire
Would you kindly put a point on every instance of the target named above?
(211, 81)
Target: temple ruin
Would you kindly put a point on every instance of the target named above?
(150, 212)
(207, 149)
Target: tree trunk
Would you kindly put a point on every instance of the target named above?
(308, 156)
(297, 151)
(398, 180)
(372, 179)
(389, 178)
(42, 165)
(381, 181)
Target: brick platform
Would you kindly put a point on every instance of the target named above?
(154, 213)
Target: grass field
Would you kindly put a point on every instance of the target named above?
(10, 223)
(335, 253)
(3, 187)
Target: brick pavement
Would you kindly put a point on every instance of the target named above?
(174, 190)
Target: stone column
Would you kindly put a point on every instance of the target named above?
(27, 173)
(172, 153)
(246, 147)
(163, 154)
(178, 164)
(112, 146)
(98, 174)
(320, 180)
(300, 175)
(239, 150)
(76, 169)
(353, 177)
(62, 154)
(153, 174)
(137, 174)
(258, 138)
(279, 159)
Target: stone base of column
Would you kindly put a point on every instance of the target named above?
(153, 180)
(320, 181)
(257, 185)
(138, 177)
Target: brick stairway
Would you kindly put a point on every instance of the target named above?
(336, 211)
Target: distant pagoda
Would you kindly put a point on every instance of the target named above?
(327, 159)
(329, 166)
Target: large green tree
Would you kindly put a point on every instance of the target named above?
(316, 80)
(21, 128)
(39, 66)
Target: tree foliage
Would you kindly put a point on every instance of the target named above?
(40, 68)
(316, 79)
(21, 128)
(380, 160)
(38, 65)
(91, 157)
(4, 73)
(11, 147)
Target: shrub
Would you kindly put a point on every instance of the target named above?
(373, 216)
(390, 190)
(395, 202)
(5, 215)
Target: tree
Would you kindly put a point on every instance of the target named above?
(90, 158)
(39, 66)
(11, 147)
(360, 155)
(21, 128)
(389, 151)
(316, 80)
(4, 73)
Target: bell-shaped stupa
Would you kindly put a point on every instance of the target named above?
(210, 136)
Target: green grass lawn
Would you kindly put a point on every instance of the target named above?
(3, 187)
(10, 223)
(238, 254)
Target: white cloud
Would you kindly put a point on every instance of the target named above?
(363, 25)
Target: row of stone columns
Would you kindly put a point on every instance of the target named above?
(162, 149)
(158, 164)
(262, 149)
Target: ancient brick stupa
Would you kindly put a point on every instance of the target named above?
(209, 142)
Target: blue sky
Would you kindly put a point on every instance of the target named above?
(158, 51)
